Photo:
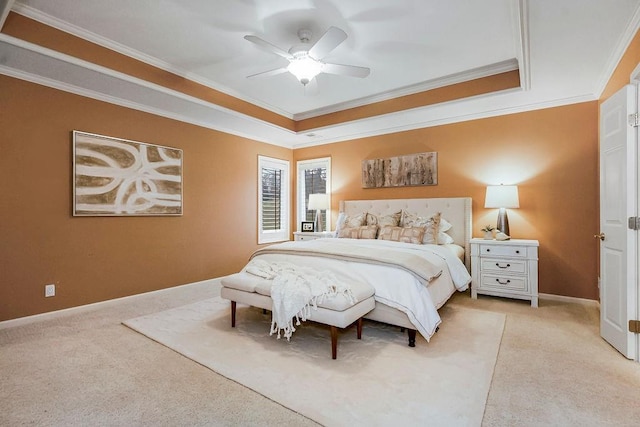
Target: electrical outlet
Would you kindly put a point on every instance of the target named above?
(49, 290)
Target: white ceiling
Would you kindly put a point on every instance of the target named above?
(565, 49)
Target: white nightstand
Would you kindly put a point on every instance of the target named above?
(506, 268)
(300, 236)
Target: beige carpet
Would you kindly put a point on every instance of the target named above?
(376, 381)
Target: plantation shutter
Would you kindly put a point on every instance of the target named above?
(271, 199)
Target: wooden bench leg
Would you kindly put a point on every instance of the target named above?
(412, 337)
(334, 342)
(359, 328)
(233, 314)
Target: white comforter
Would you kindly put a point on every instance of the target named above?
(395, 287)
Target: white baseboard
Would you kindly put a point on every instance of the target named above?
(20, 321)
(569, 299)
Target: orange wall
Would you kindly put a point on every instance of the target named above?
(551, 154)
(93, 259)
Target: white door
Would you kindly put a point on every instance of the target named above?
(618, 201)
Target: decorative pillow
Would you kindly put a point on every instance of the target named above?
(362, 232)
(402, 234)
(444, 225)
(431, 224)
(350, 221)
(382, 220)
(443, 237)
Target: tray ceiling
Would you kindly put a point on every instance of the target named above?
(564, 52)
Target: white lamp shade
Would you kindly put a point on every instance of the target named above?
(318, 201)
(502, 196)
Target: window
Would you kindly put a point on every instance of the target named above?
(314, 176)
(273, 200)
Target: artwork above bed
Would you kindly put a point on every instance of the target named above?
(400, 171)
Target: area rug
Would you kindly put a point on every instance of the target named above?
(378, 380)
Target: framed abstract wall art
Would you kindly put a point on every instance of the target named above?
(407, 170)
(117, 177)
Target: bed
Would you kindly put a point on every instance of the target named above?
(403, 297)
(457, 211)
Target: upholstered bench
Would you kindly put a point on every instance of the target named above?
(336, 312)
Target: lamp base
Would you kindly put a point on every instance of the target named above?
(503, 221)
(318, 221)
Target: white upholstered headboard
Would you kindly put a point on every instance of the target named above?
(456, 210)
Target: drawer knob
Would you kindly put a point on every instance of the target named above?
(517, 252)
(503, 283)
(502, 266)
(488, 250)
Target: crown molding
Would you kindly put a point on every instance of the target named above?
(46, 67)
(467, 113)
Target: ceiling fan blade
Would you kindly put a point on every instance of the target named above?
(346, 70)
(269, 73)
(269, 47)
(329, 41)
(311, 88)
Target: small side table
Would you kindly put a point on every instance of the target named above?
(507, 268)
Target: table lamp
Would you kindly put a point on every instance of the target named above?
(503, 197)
(319, 202)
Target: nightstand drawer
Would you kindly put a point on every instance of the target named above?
(503, 251)
(303, 237)
(504, 266)
(502, 283)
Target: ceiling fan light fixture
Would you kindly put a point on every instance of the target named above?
(305, 69)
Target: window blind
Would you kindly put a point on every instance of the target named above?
(271, 199)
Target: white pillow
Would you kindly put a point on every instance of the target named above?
(443, 237)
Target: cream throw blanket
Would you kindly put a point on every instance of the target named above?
(295, 290)
(405, 259)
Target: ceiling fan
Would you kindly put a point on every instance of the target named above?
(305, 59)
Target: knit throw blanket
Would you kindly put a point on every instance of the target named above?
(295, 291)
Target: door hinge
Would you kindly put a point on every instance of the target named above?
(634, 223)
(634, 326)
(633, 120)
